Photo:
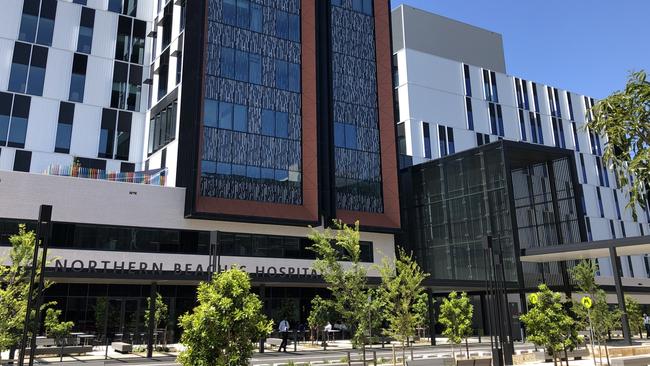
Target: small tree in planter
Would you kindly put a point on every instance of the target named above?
(54, 328)
(320, 314)
(547, 322)
(160, 316)
(221, 330)
(456, 314)
(400, 292)
(634, 314)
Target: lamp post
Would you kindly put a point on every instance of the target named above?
(215, 254)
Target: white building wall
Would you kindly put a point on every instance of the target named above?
(432, 89)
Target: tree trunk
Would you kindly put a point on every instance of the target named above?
(600, 352)
(467, 348)
(554, 358)
(12, 354)
(403, 353)
(607, 353)
(566, 356)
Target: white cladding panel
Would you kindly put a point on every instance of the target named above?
(42, 123)
(105, 34)
(99, 76)
(137, 137)
(7, 158)
(57, 74)
(85, 131)
(42, 160)
(6, 53)
(10, 18)
(66, 26)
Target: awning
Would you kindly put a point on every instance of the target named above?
(638, 245)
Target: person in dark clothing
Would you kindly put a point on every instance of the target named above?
(284, 333)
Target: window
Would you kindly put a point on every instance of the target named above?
(281, 75)
(179, 68)
(426, 133)
(568, 98)
(493, 119)
(594, 140)
(243, 13)
(574, 131)
(524, 90)
(120, 76)
(345, 135)
(450, 140)
(470, 114)
(468, 81)
(115, 6)
(130, 7)
(281, 24)
(518, 93)
(138, 37)
(64, 128)
(401, 138)
(18, 123)
(229, 12)
(240, 121)
(255, 68)
(442, 138)
(123, 136)
(78, 79)
(115, 135)
(167, 21)
(162, 126)
(22, 161)
(227, 62)
(522, 124)
(603, 176)
(584, 169)
(618, 207)
(590, 236)
(558, 132)
(123, 45)
(86, 27)
(536, 128)
(600, 202)
(612, 230)
(241, 65)
(163, 74)
(535, 98)
(107, 134)
(28, 69)
(482, 139)
(14, 112)
(38, 26)
(487, 91)
(500, 121)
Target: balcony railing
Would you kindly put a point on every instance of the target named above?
(155, 177)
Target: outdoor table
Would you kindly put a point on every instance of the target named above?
(332, 333)
(85, 338)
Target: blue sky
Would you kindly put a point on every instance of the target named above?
(585, 46)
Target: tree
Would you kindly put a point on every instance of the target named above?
(624, 117)
(14, 291)
(221, 330)
(55, 328)
(456, 316)
(400, 292)
(351, 297)
(160, 315)
(634, 314)
(547, 322)
(604, 319)
(320, 314)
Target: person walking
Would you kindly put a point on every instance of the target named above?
(646, 324)
(284, 333)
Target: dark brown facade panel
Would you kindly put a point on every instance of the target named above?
(390, 218)
(308, 211)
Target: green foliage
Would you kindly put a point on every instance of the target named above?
(603, 318)
(351, 297)
(547, 322)
(321, 312)
(161, 312)
(634, 314)
(14, 291)
(584, 274)
(624, 117)
(400, 292)
(456, 316)
(221, 330)
(55, 328)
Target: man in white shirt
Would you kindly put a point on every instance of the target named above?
(284, 332)
(646, 324)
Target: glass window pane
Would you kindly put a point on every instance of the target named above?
(123, 136)
(241, 118)
(294, 27)
(135, 88)
(123, 45)
(268, 174)
(229, 12)
(256, 18)
(6, 100)
(281, 124)
(227, 62)
(45, 30)
(208, 167)
(281, 24)
(350, 136)
(17, 132)
(268, 122)
(118, 95)
(210, 113)
(253, 172)
(339, 134)
(224, 169)
(281, 79)
(130, 7)
(239, 170)
(294, 77)
(19, 67)
(225, 115)
(139, 34)
(255, 68)
(63, 136)
(28, 24)
(36, 80)
(115, 6)
(243, 13)
(241, 65)
(281, 175)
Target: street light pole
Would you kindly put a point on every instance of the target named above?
(42, 234)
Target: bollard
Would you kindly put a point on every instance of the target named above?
(262, 345)
(394, 358)
(295, 340)
(411, 353)
(349, 359)
(374, 358)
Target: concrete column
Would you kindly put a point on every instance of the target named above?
(616, 268)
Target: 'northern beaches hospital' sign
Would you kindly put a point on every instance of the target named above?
(153, 268)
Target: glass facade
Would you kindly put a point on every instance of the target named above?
(355, 106)
(451, 204)
(455, 203)
(252, 109)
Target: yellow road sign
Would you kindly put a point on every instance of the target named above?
(534, 299)
(586, 302)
